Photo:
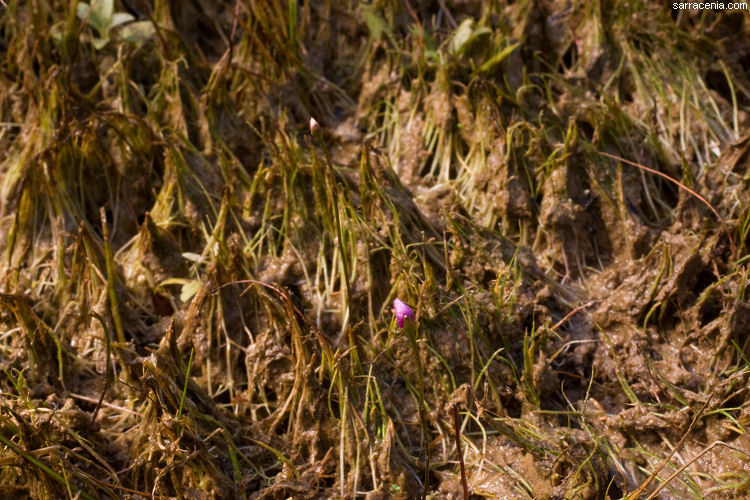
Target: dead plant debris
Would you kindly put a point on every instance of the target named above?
(196, 294)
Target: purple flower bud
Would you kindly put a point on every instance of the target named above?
(314, 127)
(402, 312)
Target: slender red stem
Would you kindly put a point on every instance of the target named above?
(457, 425)
(681, 186)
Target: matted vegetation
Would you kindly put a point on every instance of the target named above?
(196, 295)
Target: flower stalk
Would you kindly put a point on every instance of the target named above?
(317, 132)
(407, 321)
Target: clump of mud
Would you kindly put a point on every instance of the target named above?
(195, 295)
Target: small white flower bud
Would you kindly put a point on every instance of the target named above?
(314, 127)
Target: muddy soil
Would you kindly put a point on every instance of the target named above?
(196, 294)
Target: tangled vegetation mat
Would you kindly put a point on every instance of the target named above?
(197, 294)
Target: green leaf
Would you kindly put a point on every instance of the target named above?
(193, 257)
(101, 14)
(82, 9)
(57, 35)
(465, 35)
(98, 15)
(173, 281)
(375, 23)
(498, 58)
(137, 31)
(120, 18)
(189, 289)
(99, 43)
(462, 35)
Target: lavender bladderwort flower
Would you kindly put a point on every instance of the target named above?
(402, 312)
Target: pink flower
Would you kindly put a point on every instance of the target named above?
(402, 312)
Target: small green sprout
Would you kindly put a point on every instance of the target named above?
(101, 16)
